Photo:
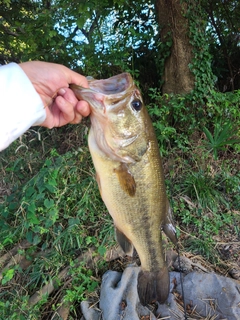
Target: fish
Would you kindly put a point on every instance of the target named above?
(130, 177)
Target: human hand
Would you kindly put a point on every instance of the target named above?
(51, 82)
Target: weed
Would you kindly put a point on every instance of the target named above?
(83, 284)
(60, 213)
(200, 186)
(204, 194)
(222, 137)
(204, 247)
(55, 205)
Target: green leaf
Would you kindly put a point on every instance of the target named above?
(92, 286)
(32, 218)
(208, 135)
(8, 275)
(102, 250)
(29, 236)
(7, 240)
(50, 188)
(36, 239)
(29, 192)
(73, 221)
(31, 208)
(48, 203)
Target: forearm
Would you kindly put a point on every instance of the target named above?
(20, 105)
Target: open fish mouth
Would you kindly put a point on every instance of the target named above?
(105, 93)
(113, 85)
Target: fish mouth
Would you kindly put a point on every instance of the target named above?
(111, 86)
(107, 87)
(105, 93)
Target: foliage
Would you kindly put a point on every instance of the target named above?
(51, 198)
(120, 36)
(221, 138)
(83, 35)
(60, 213)
(223, 39)
(205, 199)
(52, 205)
(83, 283)
(176, 117)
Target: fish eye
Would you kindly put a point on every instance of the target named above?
(137, 105)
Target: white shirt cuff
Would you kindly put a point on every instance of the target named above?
(20, 105)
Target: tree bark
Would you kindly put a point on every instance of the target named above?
(177, 76)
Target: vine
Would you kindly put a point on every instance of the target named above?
(182, 115)
(217, 107)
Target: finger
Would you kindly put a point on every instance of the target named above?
(76, 78)
(65, 110)
(68, 95)
(83, 108)
(77, 119)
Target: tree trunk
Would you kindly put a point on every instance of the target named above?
(177, 76)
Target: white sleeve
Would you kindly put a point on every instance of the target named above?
(20, 105)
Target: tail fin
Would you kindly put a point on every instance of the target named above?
(153, 286)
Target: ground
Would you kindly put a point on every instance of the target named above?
(52, 214)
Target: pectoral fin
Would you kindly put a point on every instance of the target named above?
(124, 242)
(126, 179)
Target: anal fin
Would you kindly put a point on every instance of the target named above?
(124, 242)
(153, 286)
(170, 231)
(168, 226)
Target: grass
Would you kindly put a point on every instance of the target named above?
(57, 209)
(206, 200)
(50, 204)
(222, 137)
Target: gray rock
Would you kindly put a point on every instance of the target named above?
(119, 297)
(208, 293)
(90, 313)
(212, 295)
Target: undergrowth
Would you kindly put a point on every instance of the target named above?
(202, 162)
(57, 209)
(50, 200)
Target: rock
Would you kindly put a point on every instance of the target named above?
(119, 297)
(185, 265)
(89, 313)
(212, 294)
(206, 294)
(115, 253)
(235, 273)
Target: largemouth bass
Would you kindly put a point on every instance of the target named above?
(130, 177)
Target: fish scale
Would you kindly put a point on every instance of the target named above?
(130, 177)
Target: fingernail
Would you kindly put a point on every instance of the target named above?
(61, 91)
